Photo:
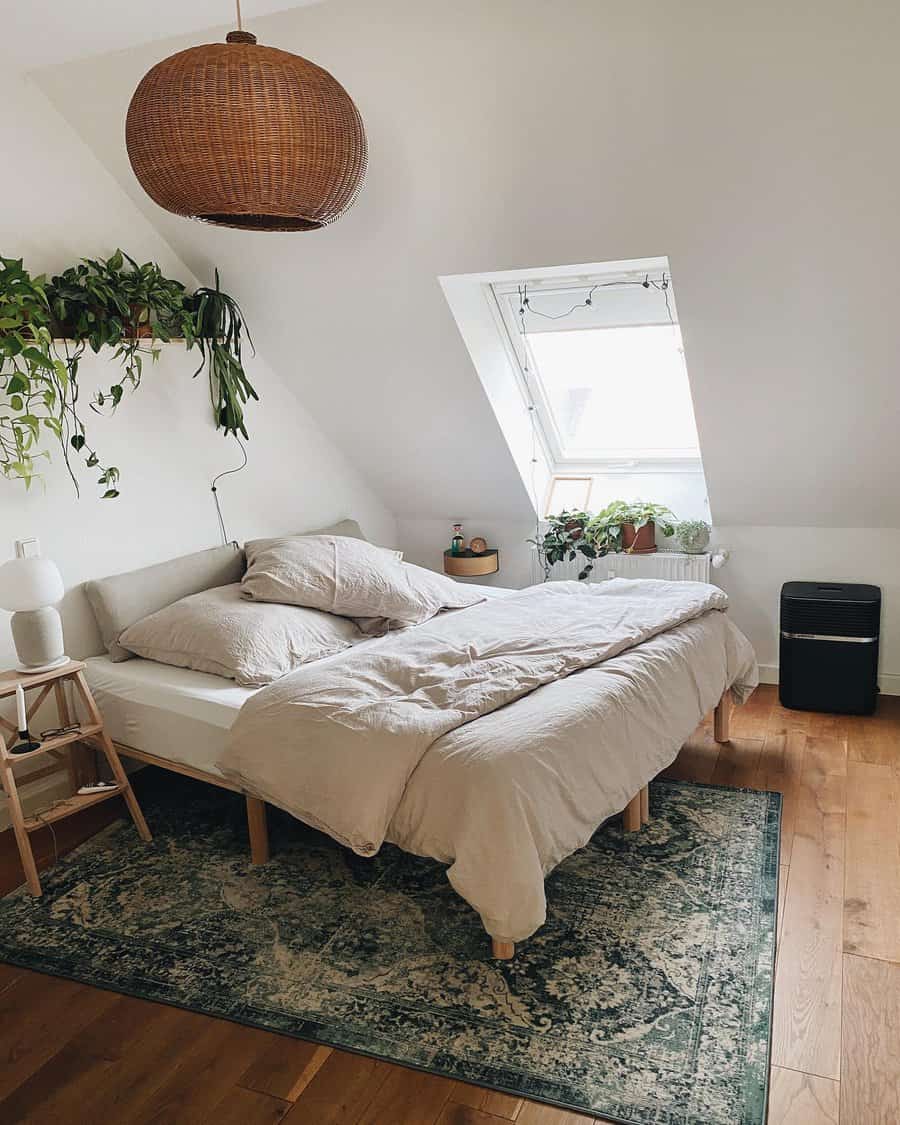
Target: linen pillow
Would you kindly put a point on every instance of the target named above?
(349, 528)
(121, 599)
(348, 577)
(221, 632)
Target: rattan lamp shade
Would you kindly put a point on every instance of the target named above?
(246, 136)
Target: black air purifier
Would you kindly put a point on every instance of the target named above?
(829, 647)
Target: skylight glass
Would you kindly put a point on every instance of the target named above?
(620, 392)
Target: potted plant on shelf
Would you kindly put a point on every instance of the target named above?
(46, 327)
(630, 526)
(567, 536)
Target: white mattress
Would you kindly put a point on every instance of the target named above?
(174, 713)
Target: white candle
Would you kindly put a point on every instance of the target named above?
(20, 708)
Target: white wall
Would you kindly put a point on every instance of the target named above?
(59, 203)
(750, 143)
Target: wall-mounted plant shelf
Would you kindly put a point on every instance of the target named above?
(469, 565)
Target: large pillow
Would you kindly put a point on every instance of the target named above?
(348, 528)
(219, 631)
(348, 577)
(121, 599)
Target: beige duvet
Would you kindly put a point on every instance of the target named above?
(496, 739)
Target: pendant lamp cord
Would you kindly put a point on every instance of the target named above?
(227, 472)
(240, 24)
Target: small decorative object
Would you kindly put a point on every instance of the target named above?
(693, 536)
(26, 743)
(478, 546)
(457, 543)
(246, 136)
(31, 587)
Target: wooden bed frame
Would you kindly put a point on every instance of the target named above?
(634, 816)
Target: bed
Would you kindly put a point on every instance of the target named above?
(502, 799)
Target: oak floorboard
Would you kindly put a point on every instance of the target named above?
(696, 760)
(872, 863)
(870, 1073)
(343, 1087)
(285, 1066)
(248, 1107)
(502, 1105)
(456, 1113)
(738, 763)
(780, 770)
(408, 1097)
(38, 1016)
(783, 875)
(876, 738)
(806, 1033)
(537, 1113)
(201, 1079)
(54, 1092)
(802, 1099)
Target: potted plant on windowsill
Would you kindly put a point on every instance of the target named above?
(630, 526)
(566, 538)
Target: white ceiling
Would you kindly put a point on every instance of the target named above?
(38, 33)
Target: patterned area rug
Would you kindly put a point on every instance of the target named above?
(645, 999)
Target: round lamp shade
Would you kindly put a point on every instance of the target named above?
(246, 136)
(28, 584)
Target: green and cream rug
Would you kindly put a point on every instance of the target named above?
(646, 998)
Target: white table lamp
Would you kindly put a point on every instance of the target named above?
(31, 587)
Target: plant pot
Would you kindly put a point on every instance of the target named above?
(640, 542)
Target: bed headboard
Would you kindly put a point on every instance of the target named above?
(122, 599)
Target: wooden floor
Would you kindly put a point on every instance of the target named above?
(70, 1053)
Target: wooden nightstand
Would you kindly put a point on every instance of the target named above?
(91, 731)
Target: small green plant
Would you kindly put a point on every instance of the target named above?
(693, 536)
(605, 529)
(104, 303)
(566, 538)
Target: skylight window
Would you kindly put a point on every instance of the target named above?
(616, 392)
(602, 361)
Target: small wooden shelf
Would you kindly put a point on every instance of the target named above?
(469, 565)
(73, 804)
(90, 731)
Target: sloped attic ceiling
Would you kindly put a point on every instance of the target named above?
(752, 144)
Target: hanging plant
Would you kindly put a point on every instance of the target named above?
(103, 303)
(38, 390)
(216, 325)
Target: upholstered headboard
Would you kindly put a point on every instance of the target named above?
(122, 599)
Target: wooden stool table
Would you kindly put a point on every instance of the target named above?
(91, 731)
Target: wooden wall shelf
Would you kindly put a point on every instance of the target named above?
(469, 565)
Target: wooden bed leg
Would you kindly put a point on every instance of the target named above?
(722, 717)
(259, 830)
(503, 950)
(631, 816)
(645, 805)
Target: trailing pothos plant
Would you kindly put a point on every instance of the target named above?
(565, 539)
(46, 327)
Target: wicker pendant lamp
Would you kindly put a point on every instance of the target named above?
(246, 136)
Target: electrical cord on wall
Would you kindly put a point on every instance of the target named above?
(216, 479)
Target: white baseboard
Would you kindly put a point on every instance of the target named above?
(889, 682)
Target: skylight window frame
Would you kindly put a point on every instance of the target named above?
(504, 299)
